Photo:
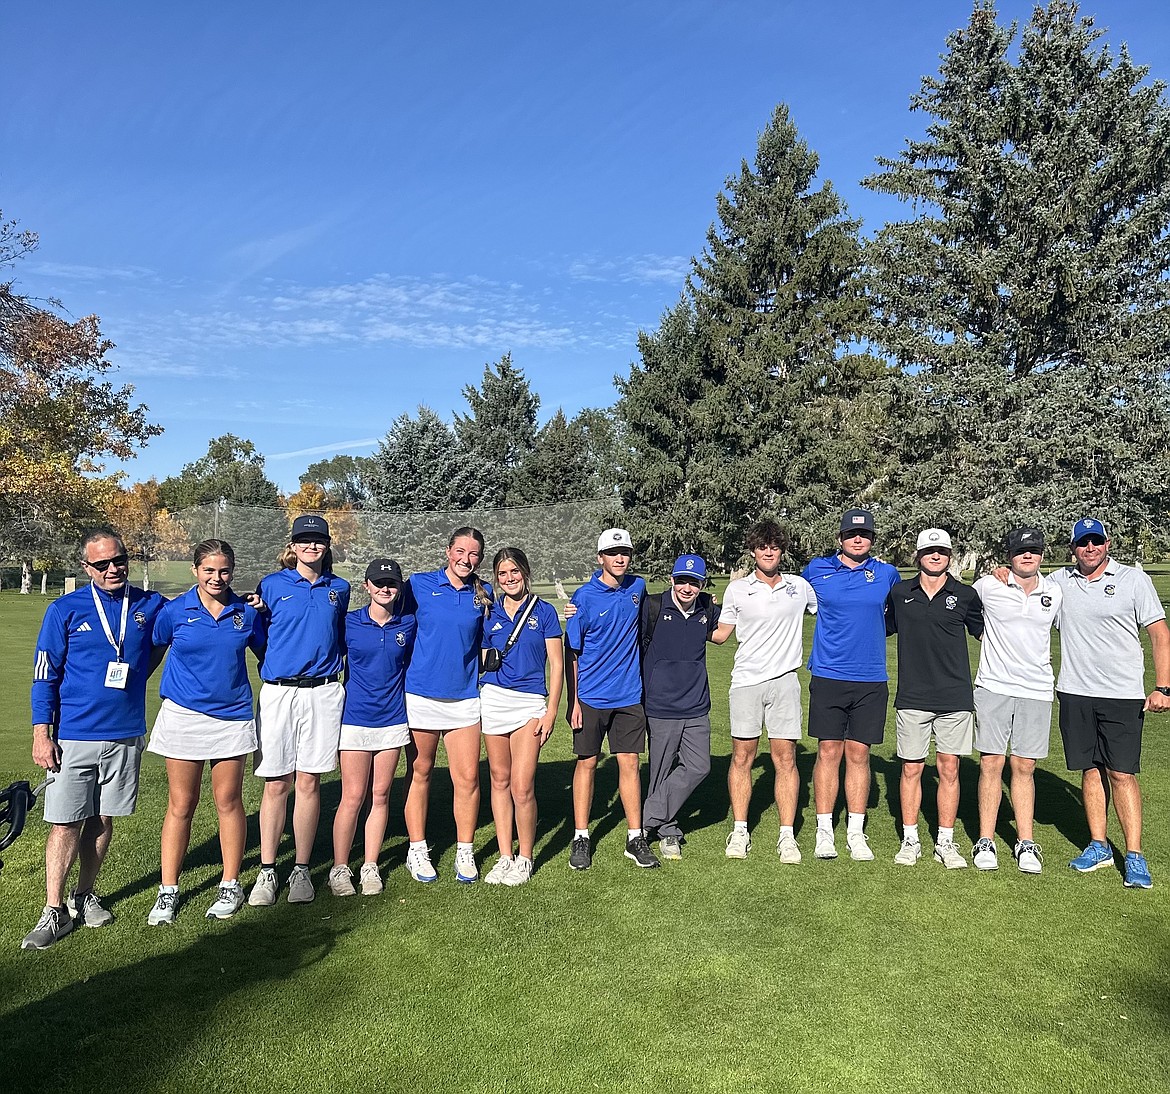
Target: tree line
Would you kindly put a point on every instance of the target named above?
(998, 356)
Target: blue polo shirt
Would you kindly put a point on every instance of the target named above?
(376, 656)
(206, 669)
(445, 662)
(849, 642)
(523, 667)
(306, 624)
(69, 671)
(604, 634)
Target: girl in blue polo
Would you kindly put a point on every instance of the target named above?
(205, 717)
(518, 709)
(379, 640)
(442, 699)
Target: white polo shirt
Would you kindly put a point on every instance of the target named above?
(769, 626)
(1100, 631)
(1016, 654)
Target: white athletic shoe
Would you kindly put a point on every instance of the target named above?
(465, 869)
(341, 881)
(948, 854)
(499, 874)
(1029, 857)
(229, 901)
(521, 871)
(371, 880)
(300, 886)
(825, 846)
(985, 857)
(859, 849)
(164, 908)
(787, 849)
(263, 894)
(739, 843)
(418, 862)
(909, 853)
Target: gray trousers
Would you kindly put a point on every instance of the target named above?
(680, 759)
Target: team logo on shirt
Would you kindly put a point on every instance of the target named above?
(1110, 590)
(400, 638)
(1046, 601)
(140, 619)
(790, 590)
(532, 624)
(238, 621)
(634, 597)
(703, 620)
(951, 602)
(332, 596)
(869, 576)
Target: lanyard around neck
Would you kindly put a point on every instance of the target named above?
(101, 613)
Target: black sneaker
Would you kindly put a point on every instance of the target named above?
(639, 850)
(581, 853)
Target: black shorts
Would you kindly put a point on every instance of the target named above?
(626, 727)
(1101, 733)
(847, 710)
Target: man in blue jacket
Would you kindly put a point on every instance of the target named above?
(676, 626)
(94, 654)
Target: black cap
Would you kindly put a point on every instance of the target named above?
(1024, 539)
(310, 527)
(384, 569)
(857, 520)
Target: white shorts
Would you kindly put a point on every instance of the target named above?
(505, 710)
(183, 734)
(366, 739)
(774, 704)
(439, 715)
(299, 729)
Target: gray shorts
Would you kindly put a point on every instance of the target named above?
(774, 704)
(1025, 724)
(952, 731)
(97, 779)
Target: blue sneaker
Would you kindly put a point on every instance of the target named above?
(1097, 856)
(1137, 873)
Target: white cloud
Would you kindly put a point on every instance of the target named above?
(640, 269)
(321, 449)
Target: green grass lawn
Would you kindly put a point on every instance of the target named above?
(706, 975)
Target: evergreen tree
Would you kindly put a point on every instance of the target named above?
(1027, 298)
(342, 478)
(419, 467)
(232, 470)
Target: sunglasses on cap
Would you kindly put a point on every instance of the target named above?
(103, 564)
(1094, 540)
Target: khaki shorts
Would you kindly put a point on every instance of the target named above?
(773, 704)
(953, 732)
(97, 779)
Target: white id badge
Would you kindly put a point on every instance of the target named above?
(117, 673)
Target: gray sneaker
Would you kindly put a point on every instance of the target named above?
(53, 925)
(670, 847)
(909, 853)
(340, 882)
(370, 878)
(264, 889)
(739, 843)
(229, 901)
(87, 909)
(787, 849)
(300, 886)
(165, 906)
(948, 854)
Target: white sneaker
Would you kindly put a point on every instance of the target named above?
(229, 901)
(859, 849)
(263, 894)
(787, 849)
(909, 853)
(418, 862)
(499, 874)
(948, 854)
(521, 871)
(370, 878)
(164, 907)
(825, 846)
(1029, 857)
(300, 886)
(341, 881)
(739, 843)
(466, 871)
(985, 857)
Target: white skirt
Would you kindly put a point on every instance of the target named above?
(182, 734)
(365, 739)
(505, 710)
(439, 715)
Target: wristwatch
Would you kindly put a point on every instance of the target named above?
(1163, 690)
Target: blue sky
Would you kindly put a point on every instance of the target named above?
(298, 221)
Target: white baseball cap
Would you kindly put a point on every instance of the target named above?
(614, 538)
(930, 538)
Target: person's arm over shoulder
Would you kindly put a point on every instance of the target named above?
(577, 624)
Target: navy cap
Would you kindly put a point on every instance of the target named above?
(857, 520)
(310, 527)
(690, 566)
(384, 569)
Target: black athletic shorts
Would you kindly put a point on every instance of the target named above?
(847, 710)
(625, 726)
(1101, 733)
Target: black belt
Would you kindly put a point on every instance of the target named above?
(306, 681)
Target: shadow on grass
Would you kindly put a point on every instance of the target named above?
(138, 1023)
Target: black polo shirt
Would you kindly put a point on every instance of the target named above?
(934, 671)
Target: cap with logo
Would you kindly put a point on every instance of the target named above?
(310, 527)
(614, 539)
(930, 539)
(384, 569)
(1088, 526)
(857, 520)
(1025, 539)
(690, 566)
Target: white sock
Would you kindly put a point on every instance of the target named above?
(580, 833)
(418, 845)
(825, 822)
(910, 832)
(739, 826)
(946, 835)
(786, 830)
(634, 834)
(168, 889)
(856, 823)
(232, 881)
(464, 847)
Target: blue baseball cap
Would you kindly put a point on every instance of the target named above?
(690, 566)
(1088, 526)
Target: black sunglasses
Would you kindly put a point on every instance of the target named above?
(103, 564)
(1085, 541)
(385, 583)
